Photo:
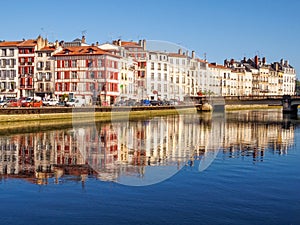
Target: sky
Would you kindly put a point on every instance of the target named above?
(217, 29)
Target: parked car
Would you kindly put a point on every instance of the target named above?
(3, 104)
(14, 103)
(76, 102)
(61, 103)
(145, 102)
(33, 103)
(173, 102)
(155, 102)
(120, 103)
(131, 102)
(51, 102)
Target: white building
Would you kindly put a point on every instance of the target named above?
(289, 77)
(9, 69)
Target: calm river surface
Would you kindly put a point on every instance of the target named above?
(236, 168)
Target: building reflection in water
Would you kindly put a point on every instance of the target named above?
(112, 151)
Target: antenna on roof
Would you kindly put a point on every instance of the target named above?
(204, 56)
(83, 33)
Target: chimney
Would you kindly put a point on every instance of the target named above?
(97, 43)
(256, 60)
(231, 61)
(56, 44)
(193, 54)
(264, 60)
(180, 51)
(244, 60)
(119, 42)
(144, 45)
(40, 42)
(83, 40)
(286, 63)
(46, 43)
(281, 62)
(226, 62)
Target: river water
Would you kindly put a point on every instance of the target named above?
(241, 167)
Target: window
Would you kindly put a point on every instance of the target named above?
(12, 62)
(159, 76)
(30, 70)
(40, 54)
(152, 86)
(74, 87)
(3, 52)
(152, 66)
(152, 76)
(40, 65)
(67, 63)
(48, 54)
(74, 63)
(11, 52)
(47, 65)
(39, 76)
(74, 74)
(92, 75)
(159, 87)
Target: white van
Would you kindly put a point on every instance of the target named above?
(76, 102)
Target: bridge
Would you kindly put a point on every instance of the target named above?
(289, 103)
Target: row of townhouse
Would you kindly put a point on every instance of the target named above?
(127, 70)
(256, 77)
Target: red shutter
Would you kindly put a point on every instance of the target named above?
(62, 63)
(30, 81)
(22, 81)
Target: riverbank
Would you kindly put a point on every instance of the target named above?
(39, 119)
(30, 120)
(251, 107)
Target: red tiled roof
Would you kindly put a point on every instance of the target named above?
(177, 55)
(28, 43)
(130, 44)
(48, 48)
(9, 43)
(218, 66)
(83, 50)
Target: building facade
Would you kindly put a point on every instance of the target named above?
(87, 72)
(9, 69)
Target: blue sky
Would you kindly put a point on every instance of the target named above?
(221, 29)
